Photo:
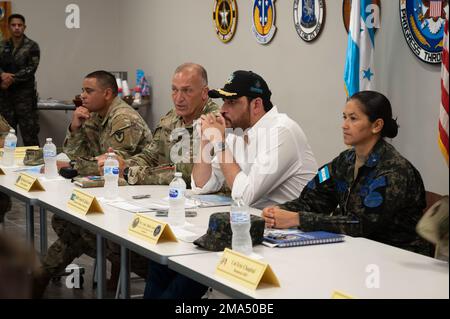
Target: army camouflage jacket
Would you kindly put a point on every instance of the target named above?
(22, 61)
(383, 203)
(4, 126)
(122, 128)
(155, 165)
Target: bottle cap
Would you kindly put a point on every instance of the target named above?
(49, 139)
(178, 174)
(12, 131)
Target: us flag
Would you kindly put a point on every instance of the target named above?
(435, 8)
(443, 116)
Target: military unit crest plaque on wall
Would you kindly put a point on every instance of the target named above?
(5, 12)
(309, 17)
(422, 23)
(225, 15)
(263, 20)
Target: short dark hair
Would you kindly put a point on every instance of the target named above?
(266, 103)
(105, 79)
(376, 106)
(16, 16)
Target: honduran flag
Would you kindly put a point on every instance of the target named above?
(359, 74)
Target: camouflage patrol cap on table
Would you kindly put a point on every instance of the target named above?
(218, 236)
(33, 157)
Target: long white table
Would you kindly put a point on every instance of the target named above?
(354, 267)
(114, 223)
(304, 272)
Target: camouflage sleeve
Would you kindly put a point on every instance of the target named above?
(400, 206)
(146, 175)
(318, 195)
(160, 175)
(76, 144)
(86, 166)
(149, 155)
(4, 126)
(126, 135)
(32, 64)
(318, 201)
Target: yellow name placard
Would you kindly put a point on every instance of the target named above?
(21, 151)
(151, 230)
(340, 295)
(84, 203)
(245, 271)
(29, 183)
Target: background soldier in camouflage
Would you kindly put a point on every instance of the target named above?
(369, 190)
(103, 121)
(5, 201)
(19, 60)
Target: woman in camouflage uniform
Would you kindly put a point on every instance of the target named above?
(369, 190)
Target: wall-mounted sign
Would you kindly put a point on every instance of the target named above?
(263, 20)
(373, 8)
(225, 15)
(309, 18)
(423, 26)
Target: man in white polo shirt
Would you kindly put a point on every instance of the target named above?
(263, 156)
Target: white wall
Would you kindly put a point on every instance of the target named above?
(306, 79)
(69, 54)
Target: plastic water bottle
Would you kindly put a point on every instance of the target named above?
(9, 148)
(111, 176)
(241, 240)
(177, 188)
(51, 171)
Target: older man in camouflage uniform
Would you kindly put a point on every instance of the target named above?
(19, 60)
(172, 145)
(104, 120)
(5, 200)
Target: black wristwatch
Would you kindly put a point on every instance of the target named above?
(125, 173)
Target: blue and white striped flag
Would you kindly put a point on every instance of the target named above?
(359, 72)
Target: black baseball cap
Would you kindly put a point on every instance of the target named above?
(243, 83)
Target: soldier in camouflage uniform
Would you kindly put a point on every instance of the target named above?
(171, 147)
(103, 121)
(5, 200)
(19, 60)
(369, 190)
